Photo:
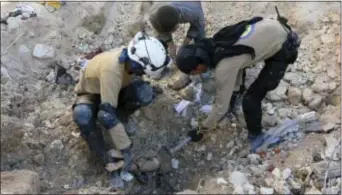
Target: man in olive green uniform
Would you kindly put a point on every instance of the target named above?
(247, 43)
(106, 90)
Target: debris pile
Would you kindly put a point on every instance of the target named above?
(40, 64)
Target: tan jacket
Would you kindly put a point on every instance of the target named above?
(266, 39)
(104, 75)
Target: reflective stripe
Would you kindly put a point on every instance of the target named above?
(249, 30)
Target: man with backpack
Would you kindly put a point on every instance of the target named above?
(231, 50)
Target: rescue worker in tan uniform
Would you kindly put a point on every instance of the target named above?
(165, 18)
(106, 90)
(231, 50)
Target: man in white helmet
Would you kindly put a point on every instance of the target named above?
(106, 90)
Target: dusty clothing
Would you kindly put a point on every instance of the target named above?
(266, 38)
(190, 12)
(104, 75)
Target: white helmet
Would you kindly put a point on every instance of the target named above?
(149, 52)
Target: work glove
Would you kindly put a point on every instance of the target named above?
(195, 135)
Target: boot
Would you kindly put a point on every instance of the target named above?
(96, 145)
(182, 81)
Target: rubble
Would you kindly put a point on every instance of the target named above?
(238, 178)
(42, 51)
(20, 182)
(46, 139)
(294, 95)
(264, 190)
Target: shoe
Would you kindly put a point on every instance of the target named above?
(182, 81)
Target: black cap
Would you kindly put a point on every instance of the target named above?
(186, 59)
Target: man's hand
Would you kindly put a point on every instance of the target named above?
(195, 135)
(186, 41)
(172, 49)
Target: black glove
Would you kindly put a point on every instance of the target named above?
(195, 135)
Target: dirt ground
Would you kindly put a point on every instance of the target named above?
(38, 134)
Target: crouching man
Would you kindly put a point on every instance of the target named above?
(165, 18)
(231, 50)
(106, 90)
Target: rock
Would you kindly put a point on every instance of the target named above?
(209, 156)
(269, 121)
(20, 182)
(296, 188)
(193, 123)
(238, 190)
(42, 51)
(201, 149)
(281, 187)
(66, 186)
(332, 190)
(264, 190)
(332, 72)
(315, 102)
(328, 127)
(307, 95)
(248, 187)
(276, 173)
(254, 158)
(221, 180)
(13, 22)
(51, 76)
(238, 178)
(126, 176)
(286, 173)
(230, 144)
(313, 190)
(57, 144)
(320, 86)
(187, 192)
(175, 163)
(256, 171)
(294, 95)
(188, 93)
(4, 75)
(23, 49)
(284, 112)
(332, 86)
(109, 40)
(327, 38)
(279, 93)
(269, 181)
(39, 159)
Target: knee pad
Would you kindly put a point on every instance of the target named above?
(83, 116)
(107, 116)
(144, 93)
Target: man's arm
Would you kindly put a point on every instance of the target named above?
(225, 83)
(197, 26)
(110, 83)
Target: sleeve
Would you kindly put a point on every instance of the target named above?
(225, 85)
(110, 84)
(197, 25)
